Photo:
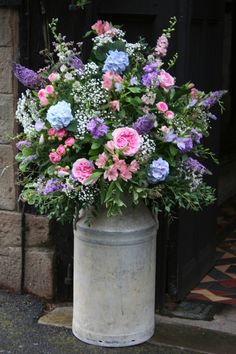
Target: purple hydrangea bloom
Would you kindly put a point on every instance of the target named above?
(27, 77)
(150, 79)
(116, 61)
(212, 99)
(184, 144)
(195, 166)
(158, 170)
(144, 124)
(39, 125)
(97, 127)
(20, 145)
(76, 63)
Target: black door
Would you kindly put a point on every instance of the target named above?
(198, 41)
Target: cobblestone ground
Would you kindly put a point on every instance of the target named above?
(20, 332)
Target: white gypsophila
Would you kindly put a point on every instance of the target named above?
(147, 148)
(27, 111)
(90, 94)
(101, 40)
(134, 48)
(90, 69)
(87, 194)
(82, 120)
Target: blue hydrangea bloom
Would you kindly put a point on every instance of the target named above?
(60, 115)
(158, 170)
(116, 61)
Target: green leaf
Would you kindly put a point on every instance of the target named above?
(72, 127)
(173, 150)
(134, 89)
(27, 152)
(95, 145)
(94, 175)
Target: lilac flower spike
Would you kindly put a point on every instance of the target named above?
(27, 77)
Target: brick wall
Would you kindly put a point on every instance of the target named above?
(39, 255)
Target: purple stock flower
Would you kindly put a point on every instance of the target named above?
(20, 145)
(76, 63)
(150, 78)
(212, 99)
(184, 144)
(149, 68)
(29, 159)
(134, 81)
(97, 127)
(170, 137)
(27, 77)
(144, 124)
(195, 166)
(196, 136)
(51, 186)
(158, 170)
(39, 125)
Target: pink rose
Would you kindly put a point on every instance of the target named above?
(70, 141)
(54, 77)
(115, 105)
(51, 132)
(61, 150)
(54, 157)
(194, 92)
(127, 139)
(82, 169)
(42, 94)
(44, 101)
(101, 160)
(61, 133)
(162, 106)
(111, 174)
(110, 146)
(134, 166)
(166, 81)
(169, 114)
(49, 89)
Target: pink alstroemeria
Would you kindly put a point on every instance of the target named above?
(101, 160)
(134, 166)
(115, 105)
(111, 174)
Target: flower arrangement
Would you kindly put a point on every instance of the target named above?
(116, 124)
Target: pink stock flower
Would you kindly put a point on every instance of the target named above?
(49, 89)
(101, 160)
(166, 81)
(169, 114)
(128, 139)
(44, 101)
(82, 169)
(110, 146)
(134, 166)
(61, 133)
(162, 106)
(54, 77)
(115, 105)
(161, 46)
(51, 131)
(70, 141)
(61, 150)
(111, 174)
(54, 157)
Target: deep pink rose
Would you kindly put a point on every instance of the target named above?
(42, 93)
(51, 131)
(101, 160)
(54, 77)
(61, 133)
(162, 106)
(54, 157)
(49, 89)
(70, 141)
(166, 80)
(169, 114)
(128, 139)
(61, 150)
(82, 169)
(111, 174)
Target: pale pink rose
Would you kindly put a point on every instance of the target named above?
(134, 166)
(98, 27)
(115, 105)
(61, 150)
(49, 89)
(125, 174)
(110, 146)
(44, 101)
(111, 174)
(54, 77)
(128, 139)
(169, 114)
(51, 131)
(42, 94)
(165, 129)
(162, 106)
(70, 141)
(61, 133)
(54, 157)
(101, 160)
(166, 81)
(82, 169)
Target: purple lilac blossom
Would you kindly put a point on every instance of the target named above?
(158, 170)
(20, 145)
(27, 77)
(39, 125)
(212, 99)
(144, 124)
(116, 61)
(97, 127)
